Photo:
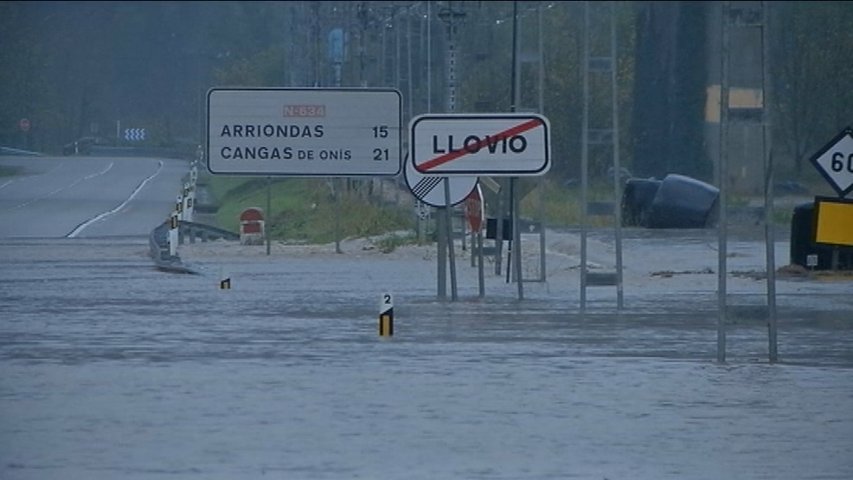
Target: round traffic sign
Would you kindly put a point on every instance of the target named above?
(24, 124)
(430, 189)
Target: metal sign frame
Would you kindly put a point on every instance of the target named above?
(308, 132)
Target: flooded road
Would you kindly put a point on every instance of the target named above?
(112, 369)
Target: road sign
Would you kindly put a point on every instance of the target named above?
(304, 132)
(134, 134)
(24, 124)
(509, 145)
(835, 162)
(430, 189)
(833, 223)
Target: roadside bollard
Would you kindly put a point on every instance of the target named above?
(386, 316)
(173, 234)
(224, 280)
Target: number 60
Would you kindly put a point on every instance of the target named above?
(837, 163)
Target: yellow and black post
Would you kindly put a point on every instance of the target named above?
(386, 316)
(224, 279)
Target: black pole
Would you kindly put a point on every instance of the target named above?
(512, 108)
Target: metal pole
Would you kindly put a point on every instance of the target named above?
(617, 169)
(541, 215)
(512, 255)
(723, 176)
(269, 213)
(480, 276)
(449, 225)
(499, 229)
(397, 62)
(409, 80)
(769, 237)
(336, 186)
(441, 230)
(429, 56)
(514, 94)
(451, 108)
(516, 234)
(584, 152)
(510, 244)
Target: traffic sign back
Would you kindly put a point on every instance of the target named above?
(430, 189)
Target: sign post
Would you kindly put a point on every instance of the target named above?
(834, 219)
(509, 145)
(431, 191)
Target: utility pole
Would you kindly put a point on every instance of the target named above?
(450, 17)
(769, 237)
(722, 174)
(606, 66)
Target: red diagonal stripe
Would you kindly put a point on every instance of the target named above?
(447, 157)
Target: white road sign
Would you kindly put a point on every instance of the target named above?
(508, 145)
(304, 132)
(835, 162)
(430, 189)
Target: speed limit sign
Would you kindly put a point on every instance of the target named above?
(835, 162)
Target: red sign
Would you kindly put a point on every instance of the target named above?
(24, 125)
(474, 210)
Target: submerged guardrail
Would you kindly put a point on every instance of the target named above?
(160, 250)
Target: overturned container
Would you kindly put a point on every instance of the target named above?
(637, 197)
(683, 202)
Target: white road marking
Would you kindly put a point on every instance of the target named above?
(87, 177)
(104, 215)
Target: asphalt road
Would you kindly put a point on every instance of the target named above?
(54, 197)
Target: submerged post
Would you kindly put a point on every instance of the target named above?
(722, 167)
(769, 236)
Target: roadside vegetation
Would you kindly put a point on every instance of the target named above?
(8, 171)
(306, 211)
(309, 210)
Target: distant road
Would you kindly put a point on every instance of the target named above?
(87, 196)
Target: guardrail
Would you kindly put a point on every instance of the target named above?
(158, 242)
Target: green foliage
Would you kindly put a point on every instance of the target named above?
(304, 210)
(389, 243)
(79, 68)
(560, 205)
(6, 171)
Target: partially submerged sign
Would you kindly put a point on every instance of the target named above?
(480, 144)
(304, 132)
(833, 223)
